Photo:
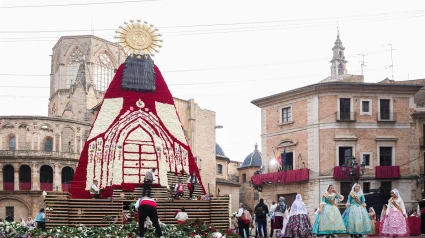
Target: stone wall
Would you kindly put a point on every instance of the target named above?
(233, 191)
(247, 194)
(199, 128)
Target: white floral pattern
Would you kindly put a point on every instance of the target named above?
(135, 143)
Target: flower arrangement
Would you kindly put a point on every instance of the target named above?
(191, 228)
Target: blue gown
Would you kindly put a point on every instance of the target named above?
(329, 222)
(356, 218)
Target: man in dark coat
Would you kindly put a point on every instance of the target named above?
(261, 211)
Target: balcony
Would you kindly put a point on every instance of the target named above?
(39, 153)
(386, 117)
(24, 186)
(290, 176)
(46, 187)
(387, 172)
(7, 186)
(346, 116)
(340, 175)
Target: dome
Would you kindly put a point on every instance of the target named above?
(219, 151)
(253, 159)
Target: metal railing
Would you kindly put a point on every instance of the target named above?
(346, 116)
(386, 116)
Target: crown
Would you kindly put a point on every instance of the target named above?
(138, 38)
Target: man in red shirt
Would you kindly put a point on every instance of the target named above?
(147, 208)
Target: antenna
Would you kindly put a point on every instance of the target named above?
(362, 62)
(392, 62)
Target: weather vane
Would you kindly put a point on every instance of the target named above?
(138, 38)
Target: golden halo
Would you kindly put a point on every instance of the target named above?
(138, 38)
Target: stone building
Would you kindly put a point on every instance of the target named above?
(41, 153)
(227, 179)
(251, 165)
(320, 126)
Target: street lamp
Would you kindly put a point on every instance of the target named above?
(351, 165)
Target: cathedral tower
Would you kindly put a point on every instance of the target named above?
(82, 68)
(338, 61)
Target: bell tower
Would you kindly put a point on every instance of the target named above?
(338, 61)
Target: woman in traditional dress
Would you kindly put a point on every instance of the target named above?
(298, 225)
(372, 215)
(394, 221)
(355, 217)
(329, 221)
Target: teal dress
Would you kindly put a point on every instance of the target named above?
(329, 222)
(356, 218)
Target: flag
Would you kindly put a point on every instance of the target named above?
(278, 158)
(283, 158)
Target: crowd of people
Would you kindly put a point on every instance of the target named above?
(356, 221)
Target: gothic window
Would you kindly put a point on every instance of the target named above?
(340, 69)
(103, 72)
(76, 59)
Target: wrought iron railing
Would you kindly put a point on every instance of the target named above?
(386, 116)
(346, 116)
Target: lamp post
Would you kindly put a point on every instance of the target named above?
(351, 165)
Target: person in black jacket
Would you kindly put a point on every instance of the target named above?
(9, 217)
(261, 211)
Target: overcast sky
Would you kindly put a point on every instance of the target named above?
(223, 53)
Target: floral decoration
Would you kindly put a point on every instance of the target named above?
(191, 228)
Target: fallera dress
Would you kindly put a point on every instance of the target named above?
(394, 221)
(298, 223)
(329, 222)
(355, 217)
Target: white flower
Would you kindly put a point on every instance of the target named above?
(44, 194)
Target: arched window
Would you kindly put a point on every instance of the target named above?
(12, 143)
(46, 178)
(340, 69)
(25, 177)
(76, 59)
(219, 169)
(340, 53)
(67, 176)
(48, 144)
(103, 72)
(8, 177)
